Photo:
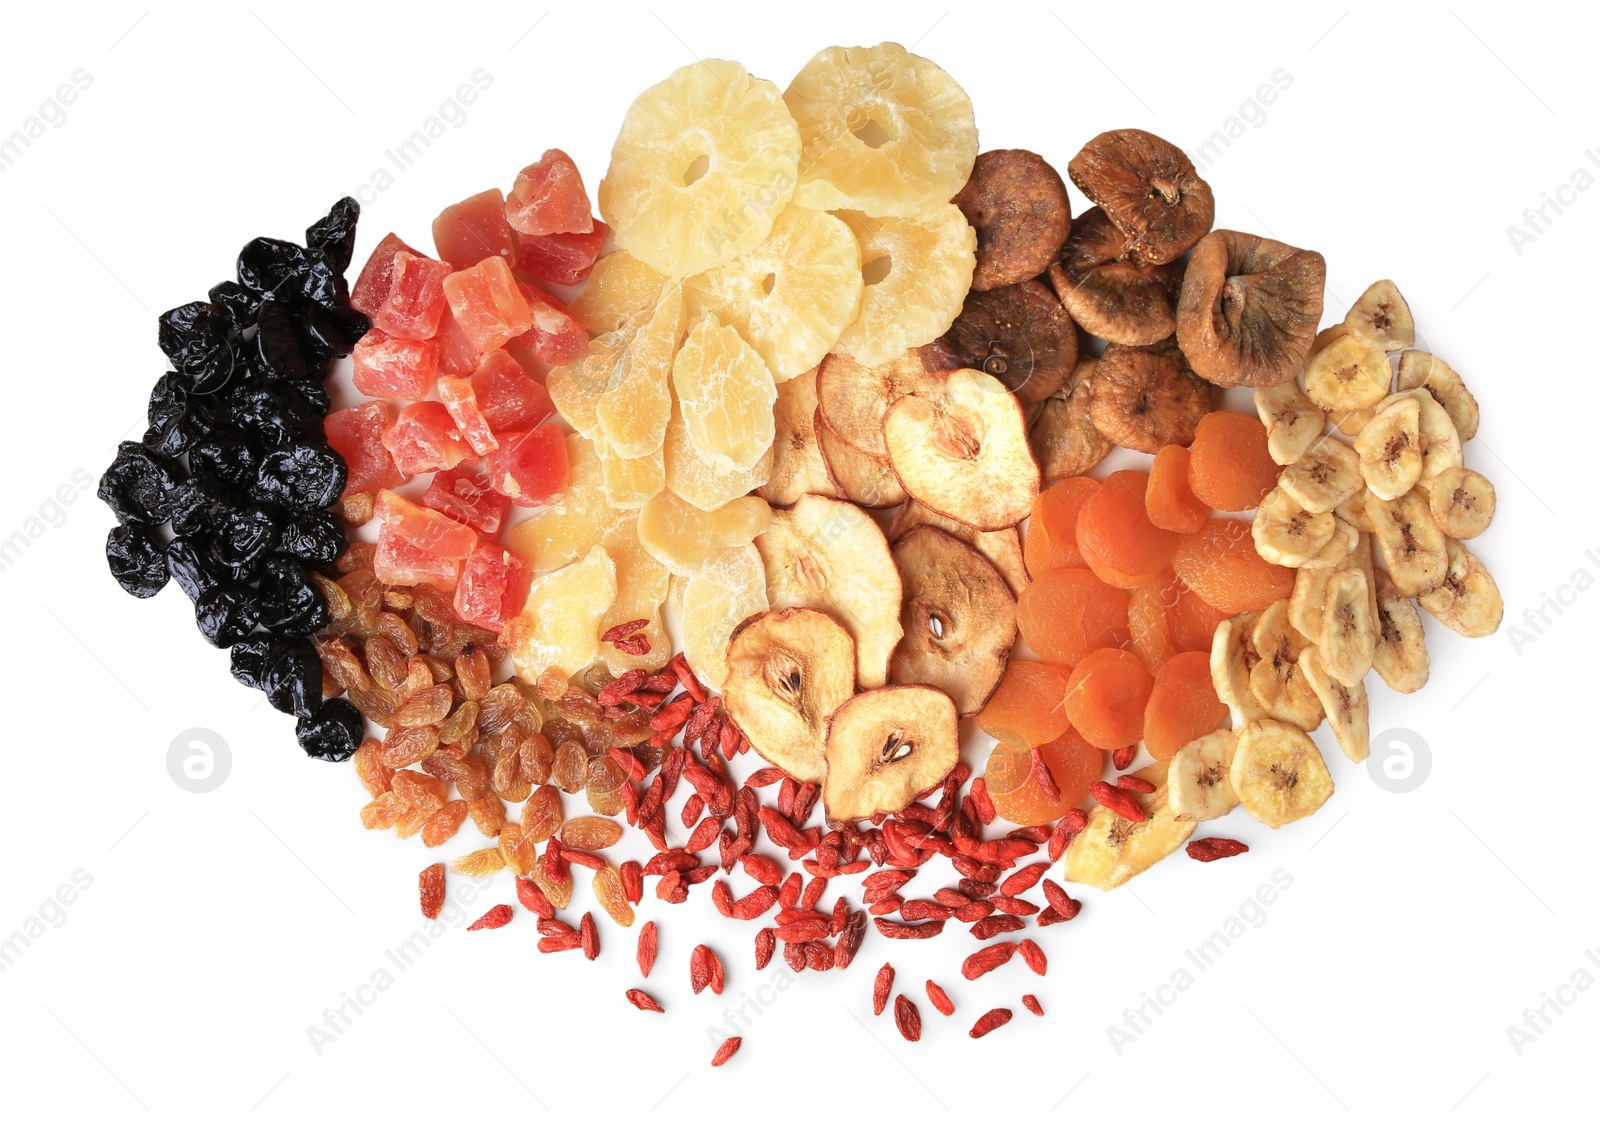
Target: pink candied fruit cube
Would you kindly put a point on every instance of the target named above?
(487, 305)
(561, 259)
(508, 398)
(493, 587)
(462, 405)
(465, 495)
(530, 468)
(467, 232)
(388, 367)
(377, 275)
(548, 198)
(416, 296)
(424, 439)
(457, 354)
(417, 546)
(554, 337)
(357, 435)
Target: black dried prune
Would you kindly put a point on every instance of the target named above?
(265, 264)
(241, 541)
(333, 733)
(137, 560)
(321, 287)
(275, 350)
(327, 333)
(195, 337)
(290, 604)
(191, 567)
(318, 538)
(276, 414)
(226, 614)
(317, 403)
(247, 661)
(334, 235)
(300, 477)
(236, 302)
(292, 677)
(226, 460)
(138, 485)
(197, 510)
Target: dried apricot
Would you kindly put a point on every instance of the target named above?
(1052, 541)
(1151, 607)
(1219, 562)
(1067, 613)
(1168, 501)
(1115, 531)
(1016, 791)
(1106, 697)
(1194, 621)
(1183, 705)
(1025, 709)
(1229, 466)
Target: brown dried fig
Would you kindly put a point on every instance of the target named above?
(1018, 205)
(1146, 398)
(1148, 188)
(1120, 299)
(1064, 440)
(1249, 309)
(1021, 334)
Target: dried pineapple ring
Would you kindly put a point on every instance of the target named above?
(633, 414)
(883, 130)
(918, 270)
(725, 393)
(703, 163)
(792, 295)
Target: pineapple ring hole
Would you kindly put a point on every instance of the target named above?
(696, 170)
(872, 134)
(878, 269)
(767, 282)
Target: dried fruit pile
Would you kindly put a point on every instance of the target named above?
(822, 303)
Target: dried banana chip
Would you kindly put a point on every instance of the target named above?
(1381, 315)
(1420, 370)
(1412, 544)
(1401, 654)
(1390, 447)
(1349, 630)
(1467, 600)
(1278, 773)
(1324, 477)
(1286, 533)
(1462, 502)
(1346, 706)
(1293, 421)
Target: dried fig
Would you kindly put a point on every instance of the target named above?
(1120, 299)
(1021, 334)
(1145, 398)
(1249, 309)
(1064, 440)
(1148, 188)
(1018, 205)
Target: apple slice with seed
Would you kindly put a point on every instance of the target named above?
(886, 746)
(787, 671)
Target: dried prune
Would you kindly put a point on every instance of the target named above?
(226, 461)
(195, 337)
(197, 510)
(1021, 335)
(327, 333)
(226, 614)
(265, 264)
(236, 302)
(275, 350)
(291, 676)
(276, 414)
(1018, 205)
(1146, 398)
(137, 560)
(138, 485)
(290, 604)
(334, 732)
(191, 567)
(1149, 190)
(300, 477)
(1121, 299)
(318, 538)
(241, 541)
(247, 661)
(315, 398)
(334, 235)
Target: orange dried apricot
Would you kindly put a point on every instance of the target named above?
(1168, 500)
(1229, 466)
(1115, 530)
(1025, 709)
(1193, 621)
(1018, 796)
(1052, 541)
(1219, 562)
(1183, 705)
(1106, 696)
(1151, 607)
(1066, 613)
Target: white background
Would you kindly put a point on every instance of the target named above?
(218, 927)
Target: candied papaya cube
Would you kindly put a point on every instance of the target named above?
(467, 232)
(561, 259)
(424, 439)
(462, 405)
(493, 587)
(555, 337)
(530, 468)
(508, 398)
(377, 275)
(398, 561)
(465, 495)
(389, 367)
(419, 526)
(487, 304)
(415, 298)
(357, 435)
(548, 198)
(457, 354)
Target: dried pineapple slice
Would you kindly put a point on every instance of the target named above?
(577, 387)
(792, 295)
(725, 394)
(560, 535)
(703, 163)
(633, 414)
(641, 589)
(883, 131)
(620, 287)
(691, 476)
(629, 482)
(721, 595)
(559, 624)
(682, 537)
(918, 269)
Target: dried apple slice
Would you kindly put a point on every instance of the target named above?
(963, 451)
(797, 465)
(855, 398)
(828, 555)
(1002, 547)
(682, 537)
(788, 669)
(721, 595)
(864, 478)
(885, 747)
(960, 620)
